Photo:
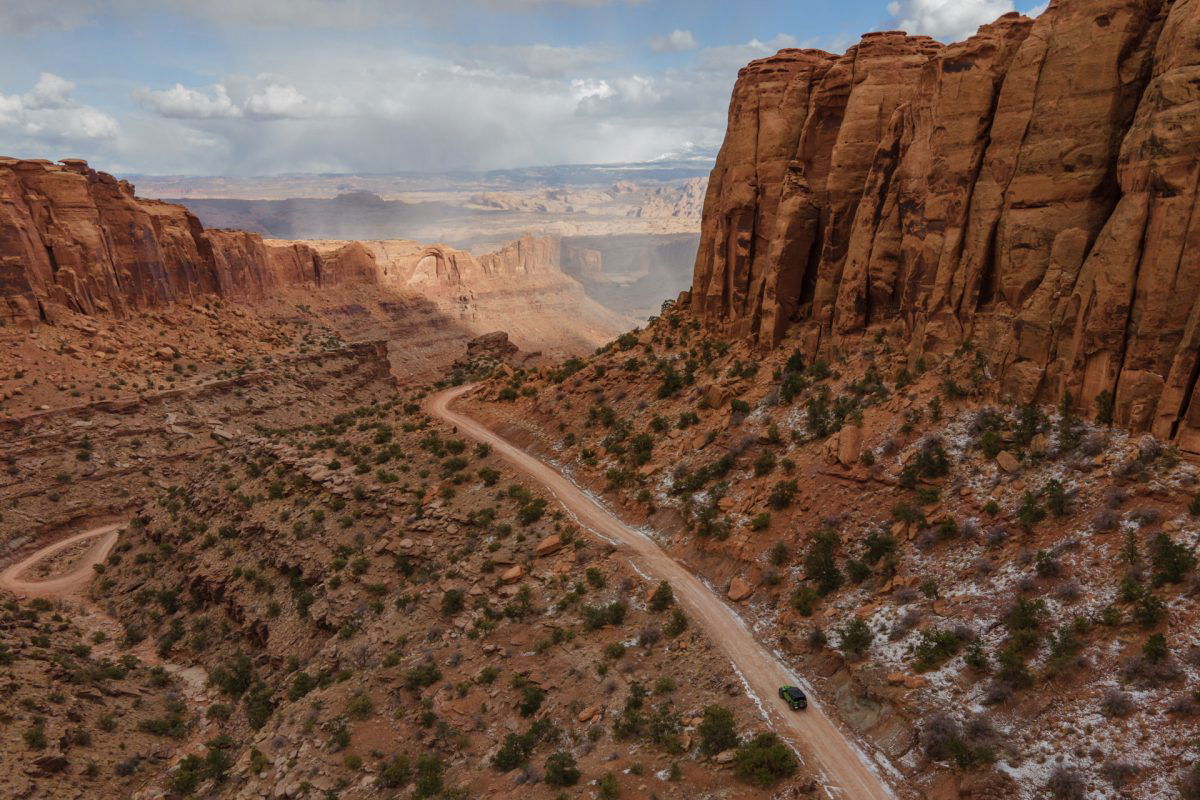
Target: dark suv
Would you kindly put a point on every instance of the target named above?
(794, 697)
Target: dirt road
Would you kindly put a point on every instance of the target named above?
(839, 765)
(80, 574)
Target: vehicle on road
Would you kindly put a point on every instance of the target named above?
(794, 697)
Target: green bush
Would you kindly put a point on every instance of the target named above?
(422, 675)
(717, 730)
(663, 597)
(782, 494)
(429, 780)
(856, 637)
(513, 752)
(764, 761)
(820, 564)
(561, 770)
(395, 772)
(677, 624)
(934, 649)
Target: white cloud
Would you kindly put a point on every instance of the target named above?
(735, 56)
(946, 20)
(48, 113)
(676, 41)
(180, 102)
(1038, 10)
(261, 98)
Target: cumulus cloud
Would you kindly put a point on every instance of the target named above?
(48, 112)
(262, 99)
(180, 102)
(946, 20)
(676, 41)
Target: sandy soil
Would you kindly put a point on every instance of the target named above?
(837, 762)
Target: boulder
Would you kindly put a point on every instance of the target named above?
(739, 590)
(548, 546)
(1008, 462)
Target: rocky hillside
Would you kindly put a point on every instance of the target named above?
(1031, 189)
(73, 239)
(1001, 601)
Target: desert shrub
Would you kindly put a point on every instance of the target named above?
(429, 776)
(782, 494)
(1172, 560)
(677, 624)
(514, 751)
(856, 637)
(452, 601)
(764, 760)
(1066, 784)
(424, 674)
(395, 772)
(935, 648)
(717, 730)
(596, 617)
(1118, 773)
(561, 770)
(1116, 703)
(804, 600)
(820, 564)
(943, 739)
(531, 700)
(663, 597)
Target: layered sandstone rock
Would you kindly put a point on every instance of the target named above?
(74, 237)
(520, 288)
(1032, 188)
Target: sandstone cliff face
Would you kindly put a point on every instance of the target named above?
(520, 288)
(1033, 189)
(74, 237)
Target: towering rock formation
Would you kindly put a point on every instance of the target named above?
(74, 237)
(1033, 188)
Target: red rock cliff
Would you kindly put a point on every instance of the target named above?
(1033, 189)
(78, 238)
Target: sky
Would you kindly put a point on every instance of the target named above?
(261, 87)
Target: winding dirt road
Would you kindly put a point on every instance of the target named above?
(80, 574)
(839, 765)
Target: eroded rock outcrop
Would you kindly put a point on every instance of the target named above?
(71, 236)
(520, 288)
(1032, 189)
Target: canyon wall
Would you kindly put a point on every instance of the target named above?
(520, 288)
(74, 237)
(1032, 189)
